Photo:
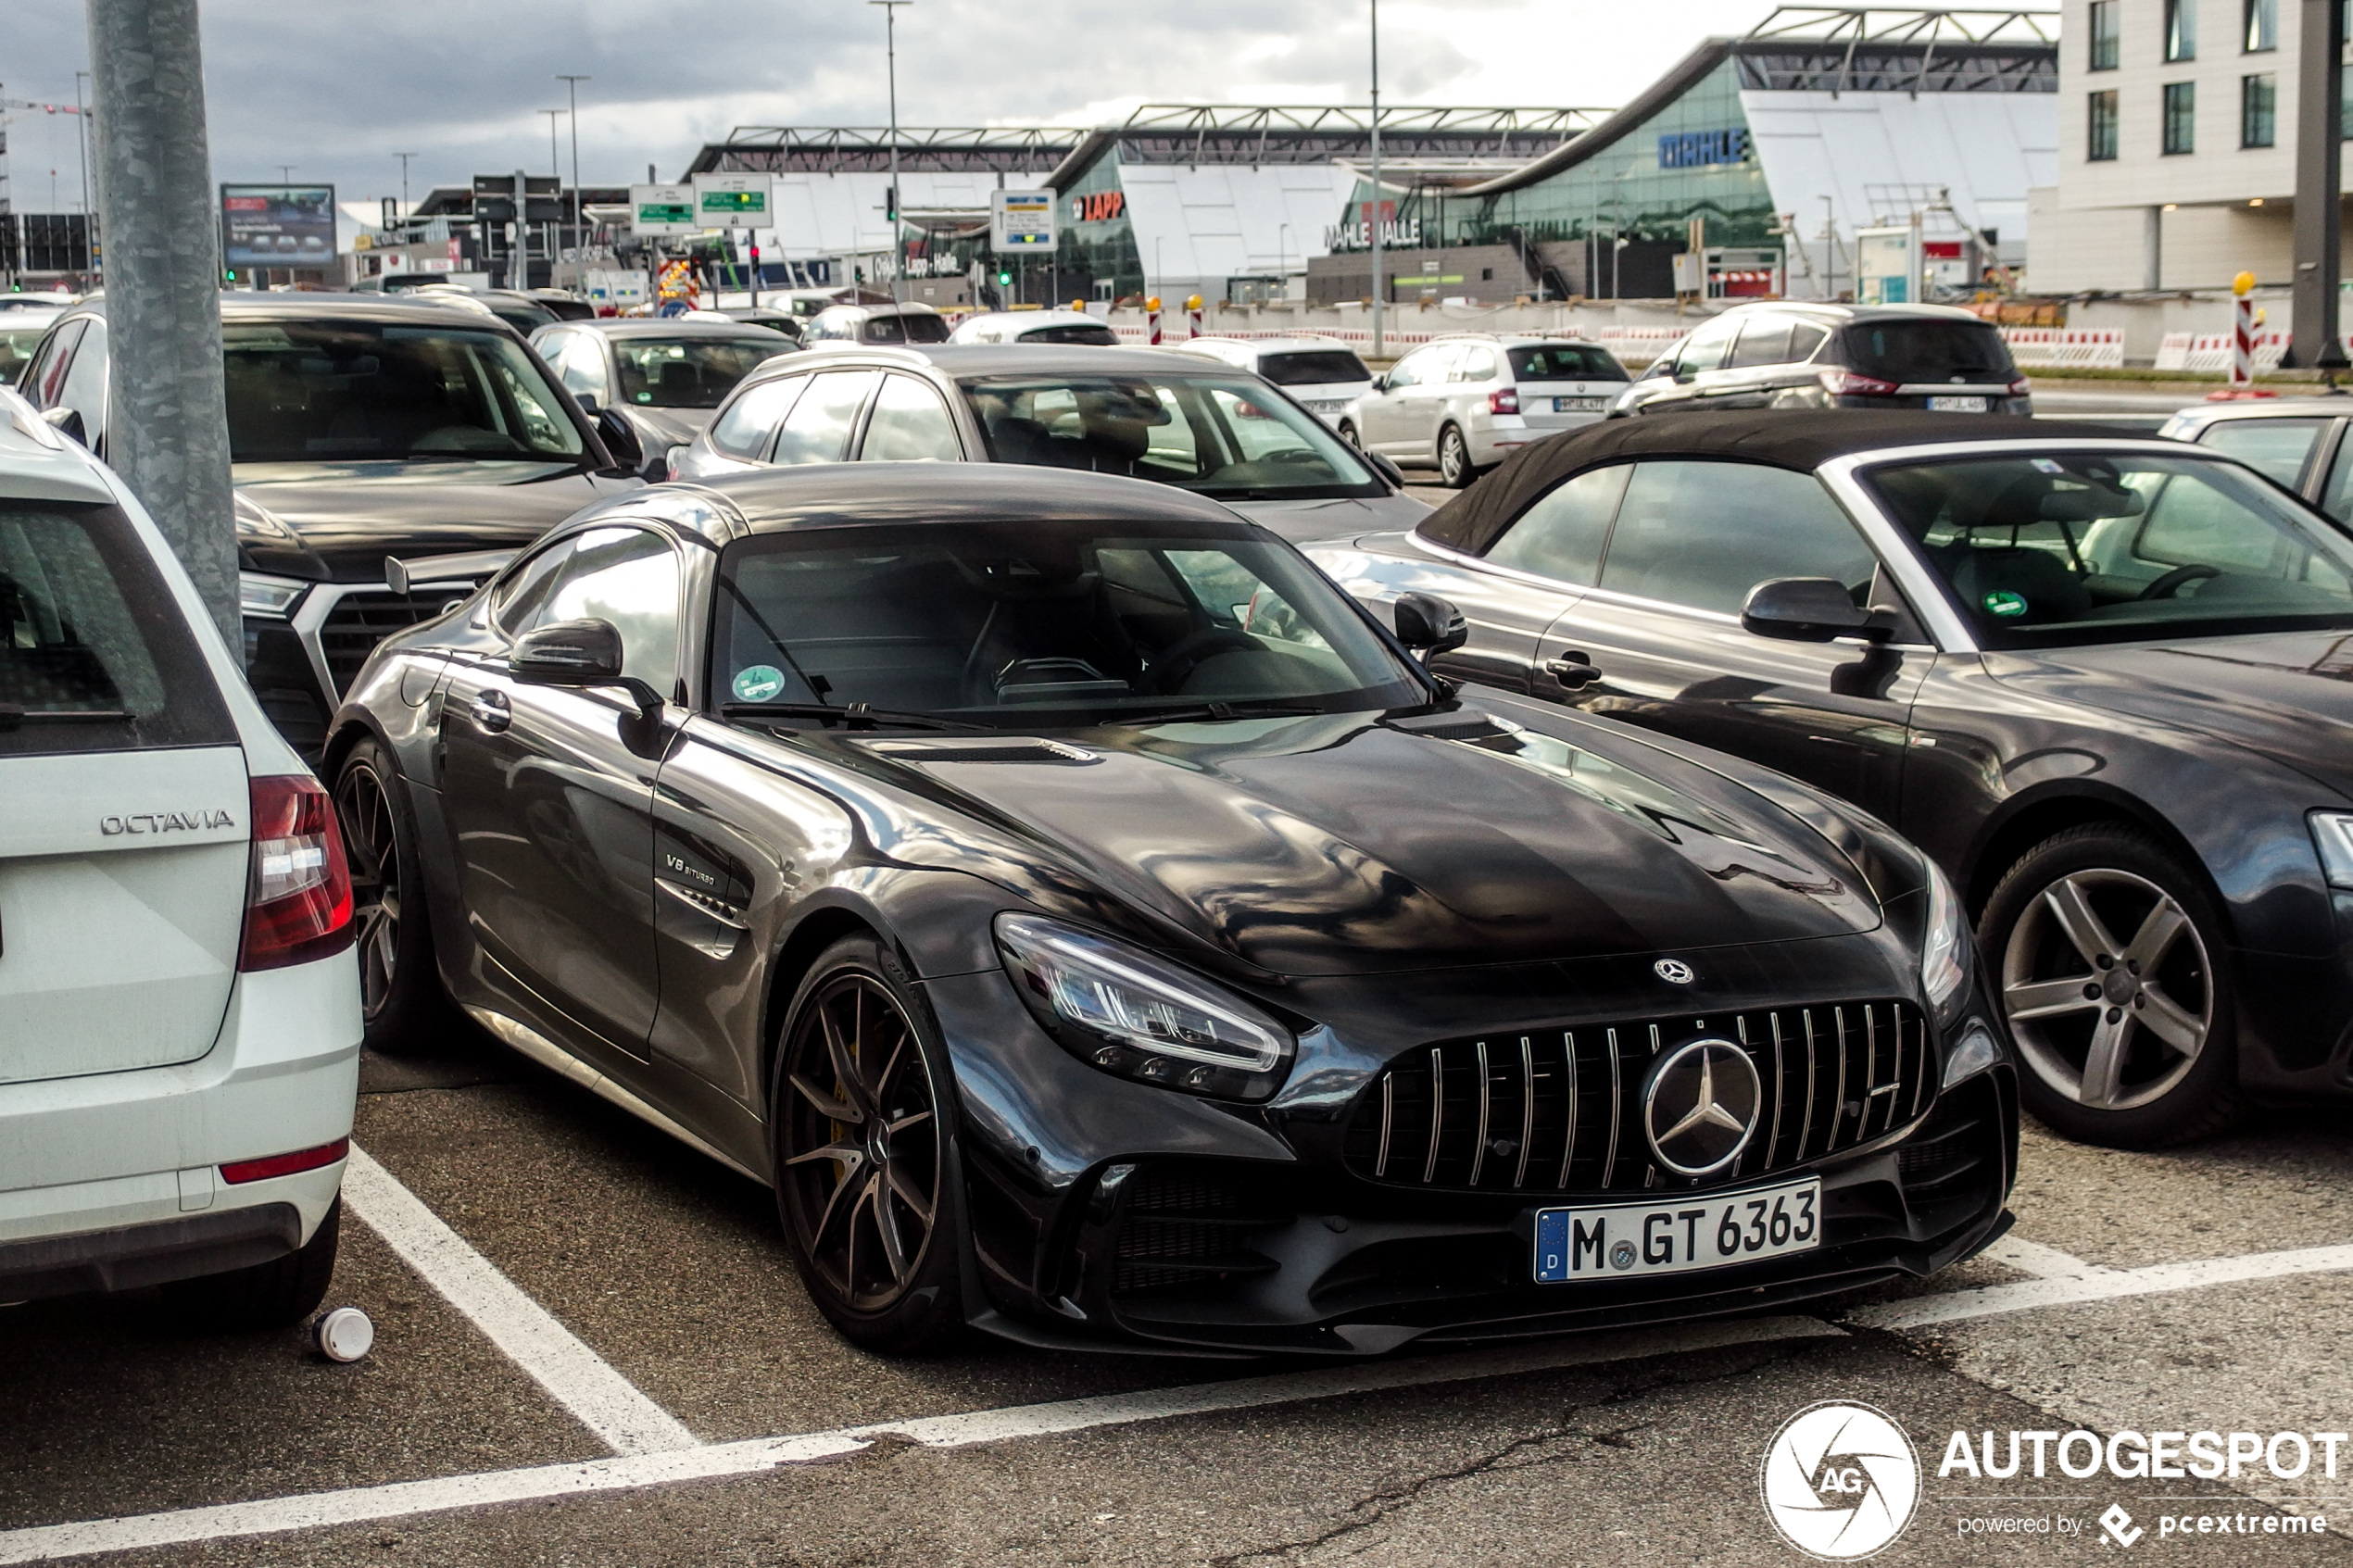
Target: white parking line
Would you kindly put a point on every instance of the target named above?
(578, 1378)
(2100, 1286)
(2042, 1263)
(401, 1499)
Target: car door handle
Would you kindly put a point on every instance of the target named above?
(491, 712)
(1572, 671)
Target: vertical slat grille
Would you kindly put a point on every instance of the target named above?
(360, 620)
(1560, 1111)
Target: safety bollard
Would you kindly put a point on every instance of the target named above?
(1151, 320)
(1192, 309)
(2241, 331)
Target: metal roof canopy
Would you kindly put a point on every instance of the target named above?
(842, 149)
(1869, 49)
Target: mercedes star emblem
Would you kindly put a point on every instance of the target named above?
(1675, 972)
(1700, 1106)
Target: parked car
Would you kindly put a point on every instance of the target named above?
(775, 319)
(1095, 927)
(524, 312)
(1034, 326)
(1322, 374)
(1134, 411)
(660, 378)
(179, 1013)
(562, 306)
(876, 323)
(2099, 678)
(1462, 404)
(2298, 443)
(1789, 355)
(360, 428)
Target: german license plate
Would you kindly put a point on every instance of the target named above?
(1580, 405)
(1666, 1236)
(1956, 405)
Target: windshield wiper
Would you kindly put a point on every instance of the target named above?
(1244, 709)
(851, 715)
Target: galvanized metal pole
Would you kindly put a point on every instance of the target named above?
(1379, 301)
(897, 198)
(2320, 154)
(167, 427)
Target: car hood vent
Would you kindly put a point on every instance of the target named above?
(1468, 724)
(984, 750)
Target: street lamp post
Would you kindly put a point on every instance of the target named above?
(404, 158)
(556, 171)
(890, 55)
(1377, 291)
(1282, 258)
(571, 85)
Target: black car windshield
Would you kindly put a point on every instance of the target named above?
(1927, 349)
(692, 372)
(1313, 367)
(2057, 548)
(1218, 435)
(904, 329)
(1017, 625)
(322, 390)
(1073, 331)
(1564, 361)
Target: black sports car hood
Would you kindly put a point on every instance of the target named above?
(1334, 846)
(2286, 695)
(336, 522)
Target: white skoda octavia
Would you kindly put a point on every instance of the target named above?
(178, 1007)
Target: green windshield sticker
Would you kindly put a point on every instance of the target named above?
(758, 682)
(2001, 602)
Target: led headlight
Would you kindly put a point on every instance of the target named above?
(1135, 1015)
(273, 597)
(2333, 836)
(1943, 947)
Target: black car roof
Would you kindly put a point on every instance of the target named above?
(1799, 439)
(776, 500)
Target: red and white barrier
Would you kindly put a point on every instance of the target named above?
(2073, 347)
(2205, 353)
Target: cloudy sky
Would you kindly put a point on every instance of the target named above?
(335, 87)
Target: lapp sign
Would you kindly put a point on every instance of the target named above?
(1696, 149)
(1102, 207)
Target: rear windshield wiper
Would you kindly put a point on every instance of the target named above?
(1270, 710)
(12, 717)
(851, 715)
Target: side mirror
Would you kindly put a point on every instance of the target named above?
(1430, 625)
(568, 653)
(1808, 609)
(1381, 383)
(67, 422)
(620, 438)
(588, 403)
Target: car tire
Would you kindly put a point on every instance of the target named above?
(2110, 961)
(400, 992)
(861, 1111)
(269, 1294)
(1454, 468)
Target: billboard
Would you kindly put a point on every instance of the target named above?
(277, 225)
(662, 209)
(1021, 220)
(732, 201)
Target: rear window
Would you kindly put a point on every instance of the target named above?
(1564, 361)
(1928, 350)
(1317, 368)
(93, 655)
(906, 329)
(1101, 337)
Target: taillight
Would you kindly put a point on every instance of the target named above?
(299, 890)
(2020, 387)
(1839, 381)
(1504, 400)
(261, 1170)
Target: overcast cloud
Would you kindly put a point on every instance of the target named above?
(334, 88)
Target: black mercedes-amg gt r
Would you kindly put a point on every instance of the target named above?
(1100, 929)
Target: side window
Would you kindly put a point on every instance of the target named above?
(629, 577)
(582, 366)
(1704, 349)
(1805, 337)
(1475, 365)
(1702, 534)
(516, 601)
(743, 428)
(1764, 341)
(85, 386)
(1422, 366)
(2192, 523)
(910, 425)
(817, 430)
(2275, 448)
(45, 377)
(1561, 535)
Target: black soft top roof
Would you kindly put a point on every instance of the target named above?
(1802, 439)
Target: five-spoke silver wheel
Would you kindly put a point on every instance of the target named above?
(2108, 988)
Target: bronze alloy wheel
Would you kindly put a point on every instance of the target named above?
(859, 1142)
(371, 843)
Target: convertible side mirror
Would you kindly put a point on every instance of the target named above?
(1809, 609)
(1430, 625)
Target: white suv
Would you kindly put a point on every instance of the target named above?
(1322, 374)
(1464, 403)
(179, 1015)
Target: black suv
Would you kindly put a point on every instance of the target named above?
(1788, 354)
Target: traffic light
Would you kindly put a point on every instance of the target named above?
(890, 203)
(1004, 276)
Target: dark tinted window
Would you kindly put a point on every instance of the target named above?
(695, 372)
(1102, 337)
(93, 653)
(1928, 350)
(905, 329)
(1764, 341)
(1702, 535)
(1313, 366)
(1561, 535)
(344, 391)
(1566, 361)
